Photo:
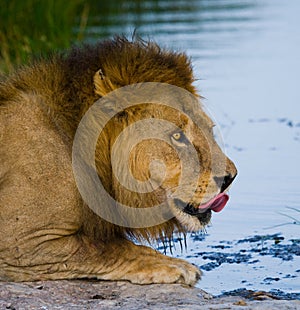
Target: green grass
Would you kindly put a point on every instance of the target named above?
(293, 219)
(32, 27)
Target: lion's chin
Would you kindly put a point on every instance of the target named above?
(192, 221)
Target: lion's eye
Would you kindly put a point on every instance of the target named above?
(176, 136)
(179, 139)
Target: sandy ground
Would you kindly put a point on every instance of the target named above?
(83, 294)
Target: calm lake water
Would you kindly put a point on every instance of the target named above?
(246, 55)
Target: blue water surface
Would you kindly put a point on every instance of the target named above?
(246, 57)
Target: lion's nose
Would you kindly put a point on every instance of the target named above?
(224, 181)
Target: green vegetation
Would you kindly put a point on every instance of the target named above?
(32, 27)
(294, 219)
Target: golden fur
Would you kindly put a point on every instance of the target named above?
(47, 231)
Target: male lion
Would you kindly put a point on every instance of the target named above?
(48, 231)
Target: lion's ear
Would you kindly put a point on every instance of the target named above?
(102, 84)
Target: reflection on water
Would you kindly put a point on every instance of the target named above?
(191, 24)
(246, 55)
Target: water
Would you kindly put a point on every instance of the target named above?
(246, 55)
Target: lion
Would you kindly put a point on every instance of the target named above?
(48, 230)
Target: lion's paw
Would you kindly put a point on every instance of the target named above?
(171, 270)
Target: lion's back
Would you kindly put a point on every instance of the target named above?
(37, 189)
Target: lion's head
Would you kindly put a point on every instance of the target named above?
(158, 164)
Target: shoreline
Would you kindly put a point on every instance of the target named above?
(93, 294)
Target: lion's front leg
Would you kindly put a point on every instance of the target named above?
(149, 266)
(75, 256)
(123, 260)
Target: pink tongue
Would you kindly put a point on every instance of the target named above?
(216, 204)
